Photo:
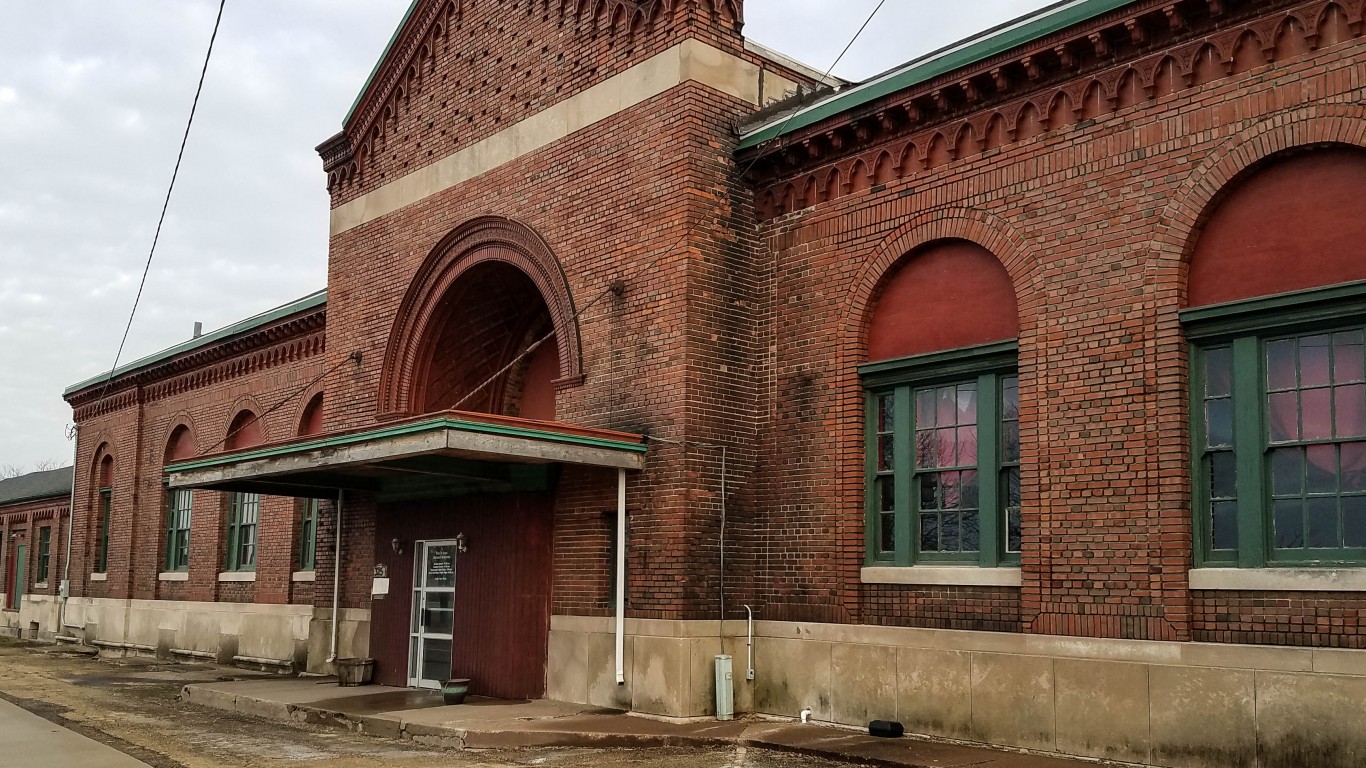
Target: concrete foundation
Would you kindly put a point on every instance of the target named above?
(36, 618)
(1184, 705)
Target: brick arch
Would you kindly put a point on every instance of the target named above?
(180, 420)
(243, 405)
(481, 240)
(311, 404)
(972, 225)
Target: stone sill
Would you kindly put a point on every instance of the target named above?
(99, 577)
(174, 576)
(950, 575)
(237, 576)
(300, 576)
(1279, 579)
(40, 585)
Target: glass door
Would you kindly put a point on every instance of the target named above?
(17, 577)
(429, 657)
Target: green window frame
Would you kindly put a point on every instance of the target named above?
(179, 511)
(1278, 429)
(308, 535)
(942, 458)
(44, 553)
(244, 514)
(106, 509)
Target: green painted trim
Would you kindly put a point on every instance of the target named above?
(1297, 308)
(388, 48)
(872, 517)
(408, 429)
(936, 366)
(903, 469)
(1249, 446)
(965, 53)
(311, 301)
(990, 512)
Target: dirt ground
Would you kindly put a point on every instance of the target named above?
(131, 705)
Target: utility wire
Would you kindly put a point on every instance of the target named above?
(353, 357)
(166, 204)
(652, 262)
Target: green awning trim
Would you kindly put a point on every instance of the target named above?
(965, 53)
(428, 425)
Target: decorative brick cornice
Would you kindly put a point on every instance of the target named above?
(1113, 62)
(412, 57)
(291, 339)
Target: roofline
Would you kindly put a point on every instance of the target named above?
(783, 60)
(64, 495)
(379, 63)
(963, 53)
(311, 301)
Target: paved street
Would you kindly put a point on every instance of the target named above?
(29, 741)
(79, 711)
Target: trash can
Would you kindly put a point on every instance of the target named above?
(355, 671)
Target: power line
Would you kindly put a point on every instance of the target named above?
(166, 204)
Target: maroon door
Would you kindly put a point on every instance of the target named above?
(502, 589)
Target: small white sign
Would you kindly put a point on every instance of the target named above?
(379, 588)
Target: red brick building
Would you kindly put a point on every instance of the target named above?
(1018, 392)
(35, 509)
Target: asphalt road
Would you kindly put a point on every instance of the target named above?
(127, 711)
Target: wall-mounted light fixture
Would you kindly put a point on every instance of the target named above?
(460, 543)
(397, 545)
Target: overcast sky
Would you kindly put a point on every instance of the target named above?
(93, 99)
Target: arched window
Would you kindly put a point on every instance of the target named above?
(104, 508)
(179, 503)
(244, 509)
(943, 411)
(1277, 321)
(311, 423)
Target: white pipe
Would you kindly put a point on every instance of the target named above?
(336, 577)
(749, 645)
(621, 577)
(65, 588)
(806, 715)
(721, 567)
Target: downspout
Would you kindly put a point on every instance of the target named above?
(336, 577)
(621, 577)
(65, 587)
(721, 632)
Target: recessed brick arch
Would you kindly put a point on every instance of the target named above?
(479, 241)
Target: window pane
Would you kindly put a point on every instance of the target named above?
(948, 443)
(1013, 533)
(1322, 514)
(1322, 469)
(1289, 522)
(1316, 407)
(1314, 371)
(1224, 519)
(1013, 487)
(886, 413)
(929, 533)
(1354, 521)
(1353, 467)
(969, 491)
(947, 406)
(887, 535)
(1010, 452)
(1219, 422)
(929, 491)
(1287, 471)
(970, 531)
(927, 449)
(924, 408)
(885, 452)
(948, 533)
(1282, 417)
(967, 447)
(1280, 364)
(967, 404)
(1349, 409)
(888, 493)
(1218, 372)
(950, 495)
(1010, 398)
(1222, 475)
(1347, 357)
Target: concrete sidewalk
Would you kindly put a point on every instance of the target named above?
(29, 741)
(422, 717)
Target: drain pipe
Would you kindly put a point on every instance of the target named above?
(65, 588)
(749, 644)
(336, 577)
(621, 577)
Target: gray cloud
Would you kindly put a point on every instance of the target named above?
(93, 98)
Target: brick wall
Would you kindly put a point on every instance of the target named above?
(25, 519)
(1092, 217)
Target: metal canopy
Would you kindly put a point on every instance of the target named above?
(436, 455)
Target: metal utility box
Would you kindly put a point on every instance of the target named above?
(725, 689)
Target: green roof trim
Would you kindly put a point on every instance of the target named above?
(411, 428)
(387, 48)
(311, 301)
(965, 53)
